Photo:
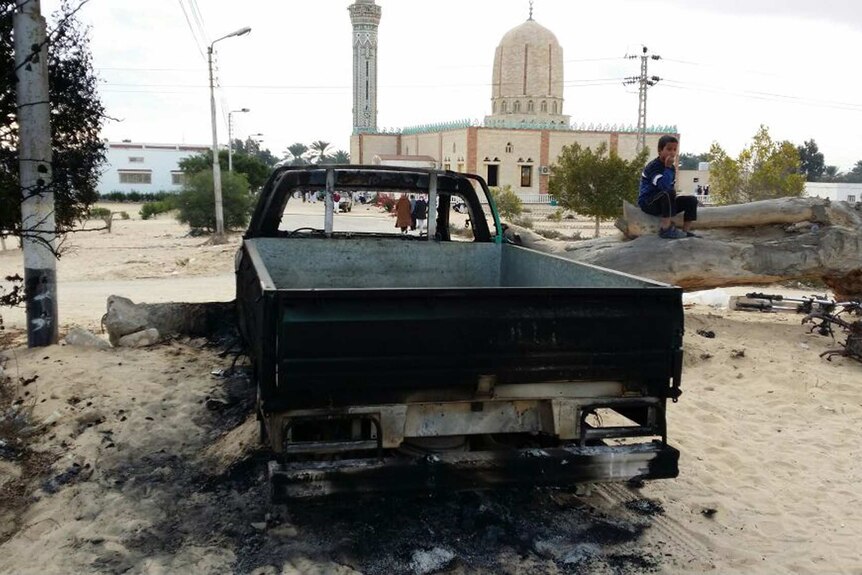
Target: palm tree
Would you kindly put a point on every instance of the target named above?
(340, 157)
(295, 153)
(318, 151)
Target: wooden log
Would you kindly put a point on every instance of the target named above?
(635, 222)
(725, 257)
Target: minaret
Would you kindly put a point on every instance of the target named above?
(365, 16)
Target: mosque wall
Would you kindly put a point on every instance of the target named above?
(454, 150)
(586, 139)
(514, 149)
(363, 147)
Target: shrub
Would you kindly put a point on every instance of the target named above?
(550, 234)
(98, 213)
(509, 205)
(103, 214)
(136, 197)
(557, 216)
(152, 209)
(124, 215)
(113, 197)
(385, 201)
(524, 222)
(196, 203)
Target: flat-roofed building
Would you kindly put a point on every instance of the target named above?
(145, 168)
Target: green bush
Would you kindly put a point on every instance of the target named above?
(509, 205)
(557, 216)
(98, 213)
(113, 197)
(136, 197)
(151, 209)
(196, 203)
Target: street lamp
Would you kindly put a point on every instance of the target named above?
(219, 210)
(230, 137)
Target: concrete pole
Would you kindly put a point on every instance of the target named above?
(35, 157)
(230, 136)
(219, 209)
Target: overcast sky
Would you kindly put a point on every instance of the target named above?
(727, 67)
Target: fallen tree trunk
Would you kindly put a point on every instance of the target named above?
(738, 252)
(635, 222)
(125, 318)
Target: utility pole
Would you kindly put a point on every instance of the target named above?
(230, 136)
(644, 82)
(218, 237)
(35, 157)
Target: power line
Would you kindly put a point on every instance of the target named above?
(767, 96)
(133, 69)
(199, 19)
(606, 59)
(644, 82)
(576, 82)
(192, 29)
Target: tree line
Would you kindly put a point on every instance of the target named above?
(595, 183)
(812, 165)
(252, 165)
(299, 154)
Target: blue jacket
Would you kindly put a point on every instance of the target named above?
(654, 179)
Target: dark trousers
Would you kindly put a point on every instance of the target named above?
(668, 204)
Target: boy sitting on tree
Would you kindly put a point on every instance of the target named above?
(657, 196)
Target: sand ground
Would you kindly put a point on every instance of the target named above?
(137, 460)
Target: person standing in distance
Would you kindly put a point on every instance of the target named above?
(657, 196)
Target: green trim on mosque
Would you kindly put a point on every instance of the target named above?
(512, 125)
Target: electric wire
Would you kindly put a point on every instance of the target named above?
(192, 29)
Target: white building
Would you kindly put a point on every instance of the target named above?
(834, 191)
(144, 168)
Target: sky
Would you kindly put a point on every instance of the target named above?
(727, 67)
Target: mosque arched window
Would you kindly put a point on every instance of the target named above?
(555, 108)
(494, 107)
(509, 148)
(544, 107)
(504, 107)
(516, 107)
(531, 107)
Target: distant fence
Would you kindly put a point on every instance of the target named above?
(536, 198)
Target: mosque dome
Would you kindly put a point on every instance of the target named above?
(527, 83)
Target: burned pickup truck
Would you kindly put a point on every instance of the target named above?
(445, 357)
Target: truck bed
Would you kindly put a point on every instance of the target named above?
(442, 317)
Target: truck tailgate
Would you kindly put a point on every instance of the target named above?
(394, 345)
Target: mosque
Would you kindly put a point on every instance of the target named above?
(514, 145)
